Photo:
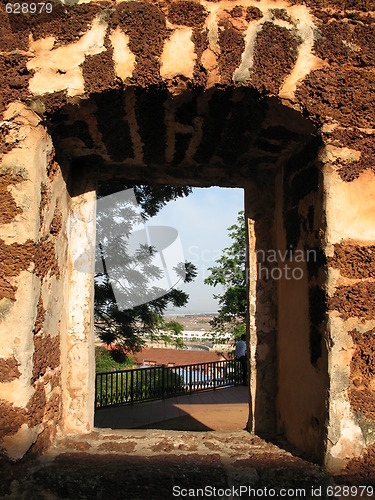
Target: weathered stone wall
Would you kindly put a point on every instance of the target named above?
(33, 255)
(260, 212)
(78, 361)
(145, 92)
(302, 351)
(350, 297)
(262, 307)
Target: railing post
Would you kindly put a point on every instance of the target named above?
(122, 388)
(131, 387)
(101, 390)
(214, 373)
(162, 382)
(238, 371)
(190, 379)
(96, 391)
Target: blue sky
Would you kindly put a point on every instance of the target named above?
(201, 220)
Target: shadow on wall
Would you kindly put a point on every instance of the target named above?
(291, 358)
(199, 138)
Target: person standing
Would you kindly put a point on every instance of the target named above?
(241, 356)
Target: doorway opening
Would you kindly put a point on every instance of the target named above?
(227, 137)
(167, 333)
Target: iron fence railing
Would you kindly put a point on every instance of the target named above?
(158, 382)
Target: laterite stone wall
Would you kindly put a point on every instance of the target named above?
(234, 92)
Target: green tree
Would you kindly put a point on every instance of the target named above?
(176, 328)
(120, 270)
(230, 272)
(105, 361)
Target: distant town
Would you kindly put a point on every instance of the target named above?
(197, 328)
(199, 344)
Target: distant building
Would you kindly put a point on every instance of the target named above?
(195, 335)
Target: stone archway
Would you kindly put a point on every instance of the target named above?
(308, 183)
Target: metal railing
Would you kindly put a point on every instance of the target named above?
(158, 382)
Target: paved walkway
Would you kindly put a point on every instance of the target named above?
(225, 409)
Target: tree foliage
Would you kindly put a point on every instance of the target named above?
(175, 328)
(131, 273)
(230, 272)
(105, 361)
